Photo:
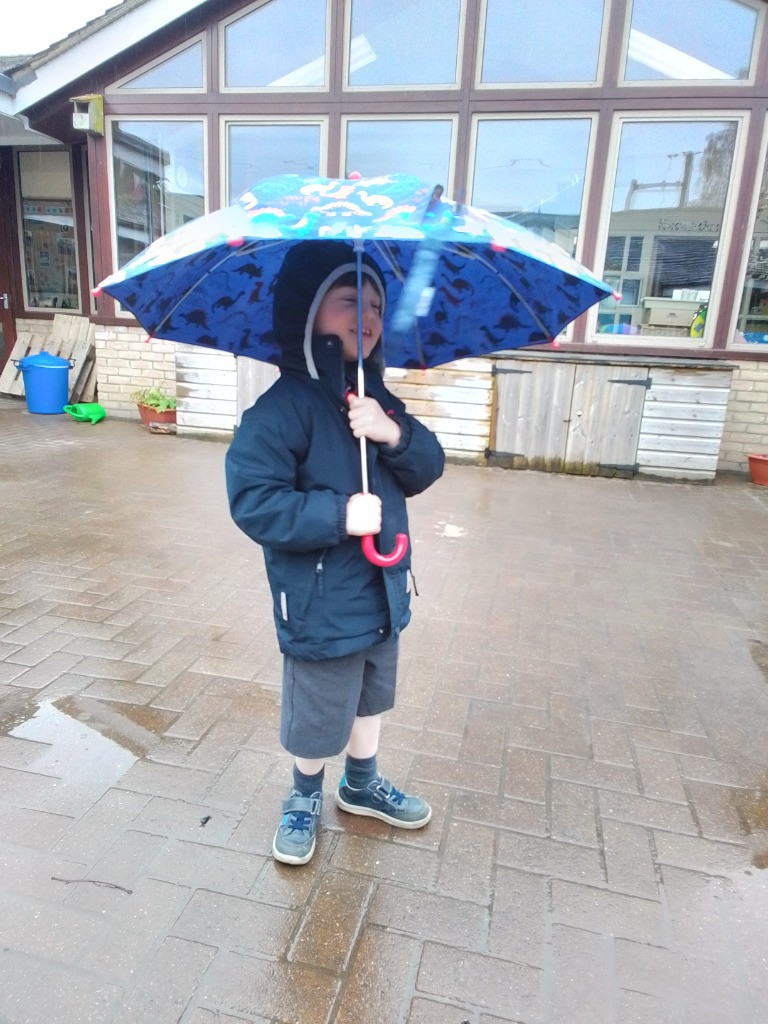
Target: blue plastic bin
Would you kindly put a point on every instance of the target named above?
(46, 382)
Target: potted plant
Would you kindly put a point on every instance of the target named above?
(758, 469)
(154, 405)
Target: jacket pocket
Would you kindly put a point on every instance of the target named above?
(295, 590)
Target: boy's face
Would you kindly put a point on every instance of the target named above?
(337, 314)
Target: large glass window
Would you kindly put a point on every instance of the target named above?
(705, 40)
(256, 151)
(408, 42)
(183, 70)
(279, 45)
(406, 146)
(158, 169)
(48, 230)
(534, 41)
(532, 171)
(665, 225)
(752, 323)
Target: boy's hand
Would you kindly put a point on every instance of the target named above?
(363, 515)
(368, 419)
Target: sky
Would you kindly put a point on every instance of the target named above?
(32, 25)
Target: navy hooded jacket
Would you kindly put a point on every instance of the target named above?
(294, 463)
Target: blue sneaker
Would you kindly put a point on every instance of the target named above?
(381, 800)
(294, 841)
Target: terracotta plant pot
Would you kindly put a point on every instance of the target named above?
(151, 415)
(758, 469)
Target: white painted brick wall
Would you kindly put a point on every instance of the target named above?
(746, 419)
(125, 361)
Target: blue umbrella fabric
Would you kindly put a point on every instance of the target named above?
(460, 281)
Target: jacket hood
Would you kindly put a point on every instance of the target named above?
(309, 270)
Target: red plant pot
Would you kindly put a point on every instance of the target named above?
(758, 469)
(150, 415)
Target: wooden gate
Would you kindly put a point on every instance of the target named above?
(567, 417)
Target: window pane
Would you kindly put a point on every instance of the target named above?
(158, 171)
(753, 310)
(279, 45)
(533, 41)
(668, 200)
(258, 151)
(182, 71)
(410, 42)
(706, 40)
(48, 233)
(532, 171)
(422, 148)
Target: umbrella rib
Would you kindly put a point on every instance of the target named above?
(230, 255)
(383, 251)
(461, 250)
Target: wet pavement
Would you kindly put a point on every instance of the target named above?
(583, 699)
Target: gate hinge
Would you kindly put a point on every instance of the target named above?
(634, 469)
(646, 383)
(496, 370)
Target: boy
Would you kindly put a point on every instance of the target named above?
(293, 480)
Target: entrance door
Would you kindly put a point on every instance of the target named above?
(7, 326)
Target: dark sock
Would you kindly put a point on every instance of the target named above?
(359, 771)
(308, 784)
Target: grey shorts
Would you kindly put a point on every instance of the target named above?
(321, 699)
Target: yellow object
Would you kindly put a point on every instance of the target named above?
(698, 322)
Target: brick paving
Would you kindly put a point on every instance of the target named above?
(583, 699)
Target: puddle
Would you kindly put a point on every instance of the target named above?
(759, 652)
(86, 744)
(751, 807)
(73, 752)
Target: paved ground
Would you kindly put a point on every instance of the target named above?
(584, 700)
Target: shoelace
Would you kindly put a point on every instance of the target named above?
(393, 795)
(298, 821)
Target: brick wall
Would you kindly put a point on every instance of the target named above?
(746, 418)
(126, 361)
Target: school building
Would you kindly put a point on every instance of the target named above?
(632, 133)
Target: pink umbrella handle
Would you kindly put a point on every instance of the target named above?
(373, 556)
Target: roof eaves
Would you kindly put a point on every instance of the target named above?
(98, 41)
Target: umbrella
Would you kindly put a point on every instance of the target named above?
(460, 281)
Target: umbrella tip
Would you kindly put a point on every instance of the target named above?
(616, 295)
(148, 339)
(354, 176)
(554, 343)
(95, 292)
(235, 243)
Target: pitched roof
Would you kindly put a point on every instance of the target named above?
(44, 73)
(118, 9)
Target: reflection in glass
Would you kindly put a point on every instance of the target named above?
(48, 234)
(257, 151)
(533, 41)
(410, 42)
(668, 201)
(532, 171)
(280, 45)
(710, 40)
(422, 148)
(753, 309)
(158, 174)
(182, 71)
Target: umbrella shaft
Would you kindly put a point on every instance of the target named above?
(364, 464)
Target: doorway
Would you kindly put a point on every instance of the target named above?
(7, 324)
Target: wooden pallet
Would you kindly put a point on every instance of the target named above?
(71, 337)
